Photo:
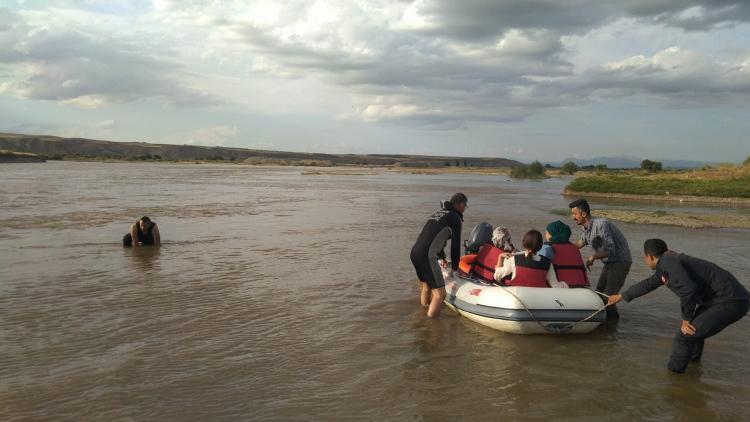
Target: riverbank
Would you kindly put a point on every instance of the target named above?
(669, 218)
(726, 184)
(665, 197)
(679, 219)
(20, 157)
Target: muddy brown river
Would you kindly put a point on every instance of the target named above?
(284, 295)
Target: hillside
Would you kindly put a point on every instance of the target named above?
(79, 148)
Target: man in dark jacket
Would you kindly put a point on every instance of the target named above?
(710, 298)
(429, 249)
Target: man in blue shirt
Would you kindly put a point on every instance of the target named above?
(609, 246)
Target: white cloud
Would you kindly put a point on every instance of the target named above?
(208, 136)
(85, 101)
(436, 64)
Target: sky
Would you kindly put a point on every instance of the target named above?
(528, 80)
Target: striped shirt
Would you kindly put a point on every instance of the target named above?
(602, 235)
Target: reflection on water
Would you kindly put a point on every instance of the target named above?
(278, 295)
(144, 258)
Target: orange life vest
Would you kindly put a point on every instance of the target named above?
(568, 265)
(464, 265)
(484, 266)
(530, 273)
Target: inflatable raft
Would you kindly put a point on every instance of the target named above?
(524, 310)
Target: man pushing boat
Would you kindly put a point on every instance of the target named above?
(710, 298)
(428, 252)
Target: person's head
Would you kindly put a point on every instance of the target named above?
(580, 211)
(532, 241)
(460, 202)
(653, 249)
(558, 232)
(144, 222)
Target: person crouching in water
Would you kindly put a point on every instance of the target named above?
(710, 298)
(145, 231)
(430, 248)
(528, 269)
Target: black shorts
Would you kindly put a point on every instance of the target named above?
(428, 270)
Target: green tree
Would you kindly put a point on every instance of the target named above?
(652, 166)
(569, 168)
(536, 169)
(601, 168)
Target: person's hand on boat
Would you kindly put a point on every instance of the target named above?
(687, 328)
(614, 299)
(589, 262)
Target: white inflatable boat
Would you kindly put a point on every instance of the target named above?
(525, 310)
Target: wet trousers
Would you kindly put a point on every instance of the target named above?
(708, 321)
(611, 281)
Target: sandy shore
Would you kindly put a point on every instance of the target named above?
(676, 198)
(679, 219)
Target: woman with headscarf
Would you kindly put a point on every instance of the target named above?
(565, 256)
(528, 269)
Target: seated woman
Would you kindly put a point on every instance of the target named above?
(528, 269)
(484, 263)
(144, 231)
(566, 257)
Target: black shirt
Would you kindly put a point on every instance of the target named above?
(695, 281)
(448, 217)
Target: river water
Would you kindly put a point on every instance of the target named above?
(284, 295)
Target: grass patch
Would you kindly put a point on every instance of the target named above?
(727, 181)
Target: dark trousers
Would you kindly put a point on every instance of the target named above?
(708, 321)
(611, 281)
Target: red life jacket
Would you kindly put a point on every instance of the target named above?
(530, 273)
(484, 266)
(568, 265)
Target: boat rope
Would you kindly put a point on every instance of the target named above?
(557, 329)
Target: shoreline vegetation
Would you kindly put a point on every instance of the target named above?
(724, 184)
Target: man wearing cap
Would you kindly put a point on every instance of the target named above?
(609, 246)
(430, 248)
(711, 298)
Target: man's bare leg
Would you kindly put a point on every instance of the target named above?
(424, 294)
(436, 303)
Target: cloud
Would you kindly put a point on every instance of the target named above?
(87, 69)
(439, 60)
(436, 63)
(106, 124)
(208, 136)
(674, 76)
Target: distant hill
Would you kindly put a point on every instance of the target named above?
(70, 148)
(627, 162)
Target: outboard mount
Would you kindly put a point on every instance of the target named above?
(480, 235)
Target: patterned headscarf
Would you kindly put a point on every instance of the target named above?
(501, 239)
